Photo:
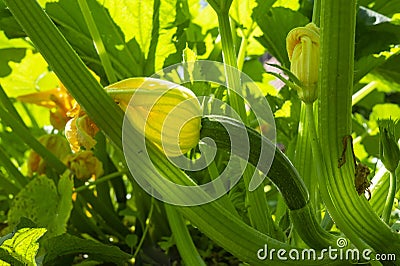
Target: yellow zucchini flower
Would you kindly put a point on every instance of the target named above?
(168, 114)
(302, 46)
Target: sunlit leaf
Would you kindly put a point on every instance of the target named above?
(384, 111)
(26, 75)
(126, 57)
(23, 245)
(43, 204)
(375, 33)
(71, 245)
(294, 5)
(276, 23)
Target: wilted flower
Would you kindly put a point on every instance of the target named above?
(55, 144)
(80, 129)
(302, 45)
(84, 165)
(167, 113)
(57, 100)
(389, 149)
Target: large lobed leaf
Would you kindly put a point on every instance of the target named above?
(44, 204)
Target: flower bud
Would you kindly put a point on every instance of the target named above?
(84, 165)
(168, 114)
(389, 149)
(55, 144)
(302, 45)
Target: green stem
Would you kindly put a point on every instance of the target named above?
(380, 188)
(242, 52)
(364, 91)
(13, 172)
(316, 16)
(351, 213)
(103, 179)
(324, 184)
(146, 229)
(214, 174)
(98, 42)
(390, 198)
(232, 79)
(243, 45)
(5, 101)
(182, 237)
(303, 156)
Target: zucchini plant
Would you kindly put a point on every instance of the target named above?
(126, 190)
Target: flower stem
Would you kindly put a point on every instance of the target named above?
(103, 179)
(232, 79)
(146, 229)
(364, 91)
(390, 198)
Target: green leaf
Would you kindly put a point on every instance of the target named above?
(388, 74)
(375, 33)
(8, 53)
(26, 75)
(275, 24)
(40, 202)
(187, 34)
(384, 111)
(388, 8)
(23, 246)
(240, 11)
(8, 24)
(126, 57)
(71, 245)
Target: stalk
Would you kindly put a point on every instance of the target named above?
(103, 179)
(19, 179)
(5, 101)
(352, 214)
(364, 91)
(303, 154)
(182, 237)
(98, 42)
(324, 184)
(243, 45)
(390, 198)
